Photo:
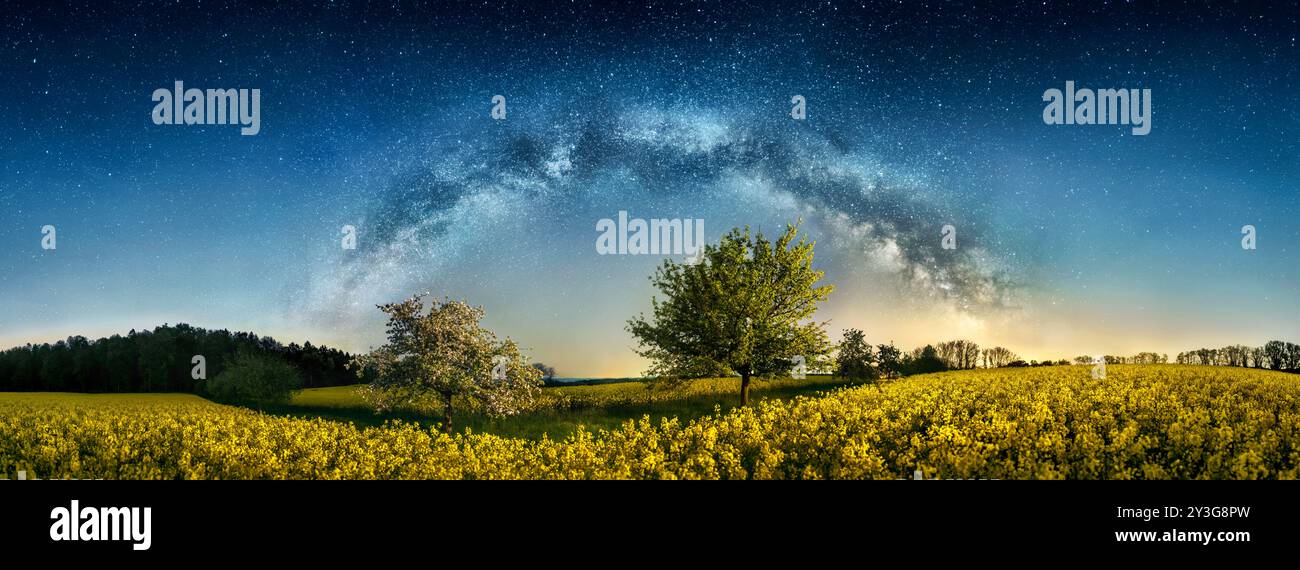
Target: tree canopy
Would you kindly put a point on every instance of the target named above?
(745, 308)
(855, 358)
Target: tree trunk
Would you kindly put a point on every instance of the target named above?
(744, 388)
(446, 413)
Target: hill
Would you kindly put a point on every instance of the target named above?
(158, 360)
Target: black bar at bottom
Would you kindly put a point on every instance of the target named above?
(765, 521)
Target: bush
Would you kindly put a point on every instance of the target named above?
(256, 379)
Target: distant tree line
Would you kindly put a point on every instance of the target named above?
(160, 360)
(857, 359)
(1274, 355)
(1145, 358)
(1035, 363)
(1139, 358)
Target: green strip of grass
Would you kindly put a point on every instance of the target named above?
(604, 406)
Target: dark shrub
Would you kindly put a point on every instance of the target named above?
(254, 378)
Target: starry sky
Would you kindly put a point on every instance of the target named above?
(1070, 239)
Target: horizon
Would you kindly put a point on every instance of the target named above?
(564, 376)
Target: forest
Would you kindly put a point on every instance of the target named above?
(160, 360)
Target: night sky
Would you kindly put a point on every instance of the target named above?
(1072, 239)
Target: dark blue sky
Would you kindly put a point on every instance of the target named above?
(1073, 239)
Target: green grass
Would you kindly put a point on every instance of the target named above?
(564, 408)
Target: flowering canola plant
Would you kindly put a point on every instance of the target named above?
(1140, 422)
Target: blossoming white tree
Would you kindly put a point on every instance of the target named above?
(445, 353)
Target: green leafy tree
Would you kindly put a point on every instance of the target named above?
(890, 359)
(924, 361)
(743, 309)
(445, 353)
(855, 359)
(1277, 354)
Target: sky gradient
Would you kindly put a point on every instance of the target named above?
(1071, 239)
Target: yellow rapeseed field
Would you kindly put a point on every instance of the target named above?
(1140, 422)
